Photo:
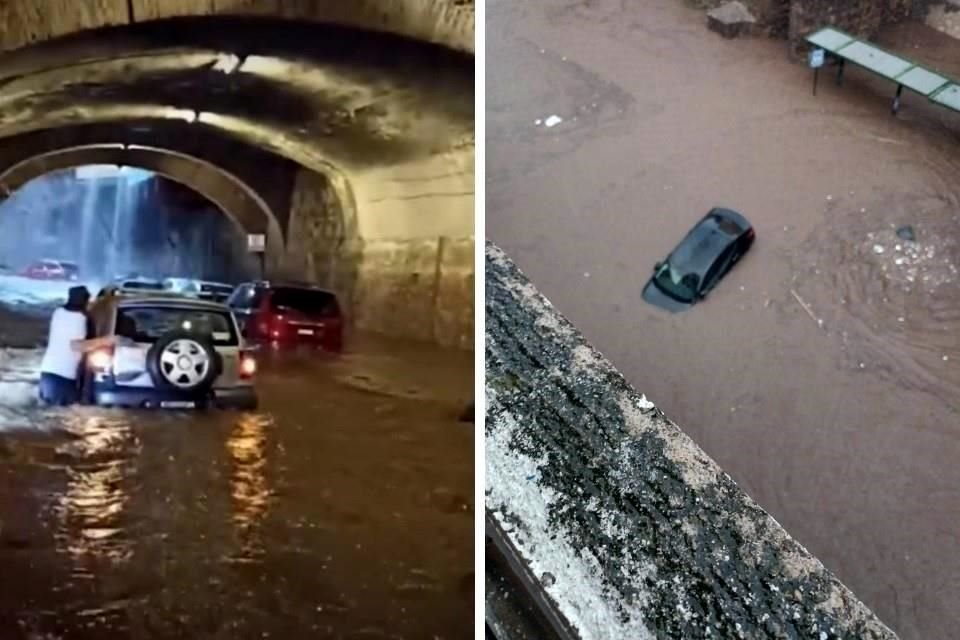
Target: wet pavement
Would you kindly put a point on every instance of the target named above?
(823, 372)
(342, 509)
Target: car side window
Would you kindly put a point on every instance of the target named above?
(719, 265)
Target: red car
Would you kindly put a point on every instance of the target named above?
(52, 270)
(288, 315)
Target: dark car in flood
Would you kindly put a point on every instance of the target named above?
(703, 257)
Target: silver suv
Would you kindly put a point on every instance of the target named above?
(174, 353)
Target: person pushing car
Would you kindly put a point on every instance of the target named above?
(69, 340)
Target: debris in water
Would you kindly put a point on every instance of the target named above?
(829, 197)
(877, 248)
(586, 275)
(807, 308)
(553, 121)
(906, 232)
(538, 122)
(945, 358)
(862, 366)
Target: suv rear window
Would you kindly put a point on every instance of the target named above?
(147, 324)
(143, 285)
(312, 302)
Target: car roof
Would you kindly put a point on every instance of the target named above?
(169, 301)
(701, 247)
(286, 284)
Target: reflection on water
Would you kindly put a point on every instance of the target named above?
(339, 510)
(247, 446)
(100, 460)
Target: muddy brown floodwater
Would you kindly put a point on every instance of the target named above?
(342, 509)
(843, 425)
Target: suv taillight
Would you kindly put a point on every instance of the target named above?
(248, 365)
(100, 360)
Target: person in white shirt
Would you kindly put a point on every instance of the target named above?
(71, 337)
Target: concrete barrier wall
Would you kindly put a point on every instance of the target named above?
(632, 530)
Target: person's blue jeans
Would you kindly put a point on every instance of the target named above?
(58, 391)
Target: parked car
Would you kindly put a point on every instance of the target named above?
(703, 257)
(185, 286)
(139, 285)
(171, 353)
(289, 315)
(52, 270)
(216, 291)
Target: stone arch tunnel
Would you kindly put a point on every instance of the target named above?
(344, 131)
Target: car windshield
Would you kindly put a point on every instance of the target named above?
(311, 302)
(148, 323)
(675, 284)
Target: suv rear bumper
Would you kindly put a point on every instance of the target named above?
(240, 398)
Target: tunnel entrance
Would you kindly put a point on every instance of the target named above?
(98, 225)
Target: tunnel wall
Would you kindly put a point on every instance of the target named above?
(404, 268)
(631, 530)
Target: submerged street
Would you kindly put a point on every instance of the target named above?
(343, 508)
(822, 373)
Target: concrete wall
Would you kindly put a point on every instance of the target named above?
(630, 528)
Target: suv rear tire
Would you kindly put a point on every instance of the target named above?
(195, 347)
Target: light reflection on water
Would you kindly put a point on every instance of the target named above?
(91, 508)
(327, 513)
(249, 489)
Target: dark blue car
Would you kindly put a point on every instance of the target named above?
(700, 261)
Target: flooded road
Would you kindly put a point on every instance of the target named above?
(823, 373)
(342, 509)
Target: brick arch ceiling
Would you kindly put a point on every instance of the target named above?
(317, 94)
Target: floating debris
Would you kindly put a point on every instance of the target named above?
(878, 248)
(906, 232)
(552, 121)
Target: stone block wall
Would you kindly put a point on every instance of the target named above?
(862, 18)
(858, 17)
(772, 15)
(944, 17)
